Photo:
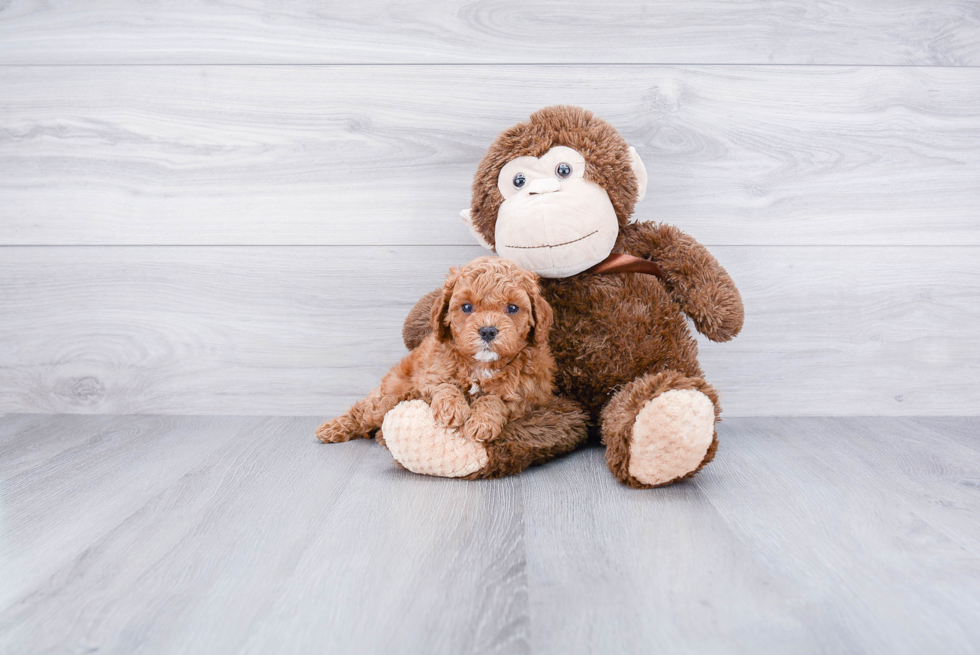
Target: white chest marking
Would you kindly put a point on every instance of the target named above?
(474, 389)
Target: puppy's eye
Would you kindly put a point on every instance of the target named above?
(513, 309)
(519, 180)
(467, 308)
(563, 170)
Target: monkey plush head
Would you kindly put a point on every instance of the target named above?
(553, 192)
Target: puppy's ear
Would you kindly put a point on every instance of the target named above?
(437, 320)
(543, 317)
(541, 314)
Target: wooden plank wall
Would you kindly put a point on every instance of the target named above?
(213, 208)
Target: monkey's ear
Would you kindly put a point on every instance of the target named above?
(641, 174)
(437, 319)
(465, 215)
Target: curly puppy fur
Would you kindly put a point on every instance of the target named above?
(618, 340)
(484, 363)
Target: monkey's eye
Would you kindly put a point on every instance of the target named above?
(467, 308)
(519, 180)
(563, 170)
(513, 309)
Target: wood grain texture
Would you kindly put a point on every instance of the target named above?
(31, 439)
(409, 564)
(379, 155)
(266, 535)
(873, 520)
(615, 571)
(97, 474)
(805, 535)
(307, 331)
(916, 32)
(851, 332)
(963, 430)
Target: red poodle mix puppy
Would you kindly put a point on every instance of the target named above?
(485, 363)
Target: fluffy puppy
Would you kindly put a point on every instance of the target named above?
(485, 363)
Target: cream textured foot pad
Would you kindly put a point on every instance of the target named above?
(671, 435)
(423, 446)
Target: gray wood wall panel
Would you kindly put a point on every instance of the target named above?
(385, 155)
(829, 152)
(907, 32)
(291, 330)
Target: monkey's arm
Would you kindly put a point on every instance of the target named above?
(417, 325)
(692, 276)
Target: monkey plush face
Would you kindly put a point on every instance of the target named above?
(553, 221)
(552, 193)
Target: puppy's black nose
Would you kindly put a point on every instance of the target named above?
(488, 333)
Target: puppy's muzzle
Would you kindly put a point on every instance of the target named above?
(488, 333)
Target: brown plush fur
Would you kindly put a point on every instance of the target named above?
(607, 156)
(475, 395)
(618, 340)
(621, 410)
(540, 435)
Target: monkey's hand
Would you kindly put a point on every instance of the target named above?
(692, 276)
(417, 325)
(449, 406)
(487, 418)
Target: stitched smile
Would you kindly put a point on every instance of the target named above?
(555, 245)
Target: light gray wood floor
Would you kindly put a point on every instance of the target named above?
(244, 535)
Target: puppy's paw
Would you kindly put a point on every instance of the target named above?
(337, 430)
(450, 409)
(479, 428)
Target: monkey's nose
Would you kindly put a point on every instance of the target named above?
(488, 333)
(544, 185)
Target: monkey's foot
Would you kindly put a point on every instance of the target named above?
(671, 436)
(421, 445)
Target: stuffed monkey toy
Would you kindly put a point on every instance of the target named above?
(555, 194)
